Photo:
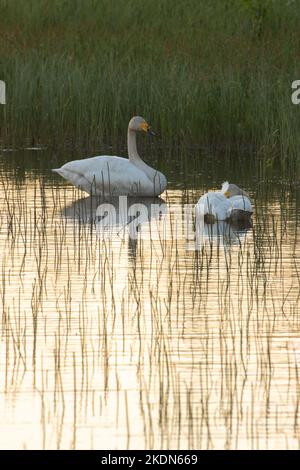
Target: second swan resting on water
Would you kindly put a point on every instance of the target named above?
(231, 203)
(116, 176)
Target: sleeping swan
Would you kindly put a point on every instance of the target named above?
(229, 204)
(116, 176)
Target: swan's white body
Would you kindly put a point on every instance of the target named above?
(229, 203)
(115, 176)
(214, 204)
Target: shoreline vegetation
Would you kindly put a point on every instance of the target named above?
(214, 74)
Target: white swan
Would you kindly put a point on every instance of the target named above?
(116, 176)
(230, 203)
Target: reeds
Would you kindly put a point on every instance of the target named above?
(203, 73)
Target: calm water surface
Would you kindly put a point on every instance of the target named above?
(114, 342)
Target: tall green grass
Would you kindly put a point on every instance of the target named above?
(203, 73)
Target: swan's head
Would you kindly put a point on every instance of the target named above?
(229, 190)
(138, 123)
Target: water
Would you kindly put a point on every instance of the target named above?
(114, 342)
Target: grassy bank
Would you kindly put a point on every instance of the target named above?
(205, 73)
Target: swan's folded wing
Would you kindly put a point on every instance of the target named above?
(241, 203)
(104, 175)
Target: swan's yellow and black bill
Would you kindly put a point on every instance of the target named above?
(146, 128)
(150, 131)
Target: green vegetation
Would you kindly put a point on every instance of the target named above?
(215, 73)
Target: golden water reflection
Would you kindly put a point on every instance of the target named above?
(114, 343)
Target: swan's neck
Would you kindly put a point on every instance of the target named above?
(156, 178)
(132, 148)
(135, 158)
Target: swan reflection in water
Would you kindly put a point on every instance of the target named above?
(150, 217)
(116, 215)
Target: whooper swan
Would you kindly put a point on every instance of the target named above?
(115, 176)
(230, 203)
